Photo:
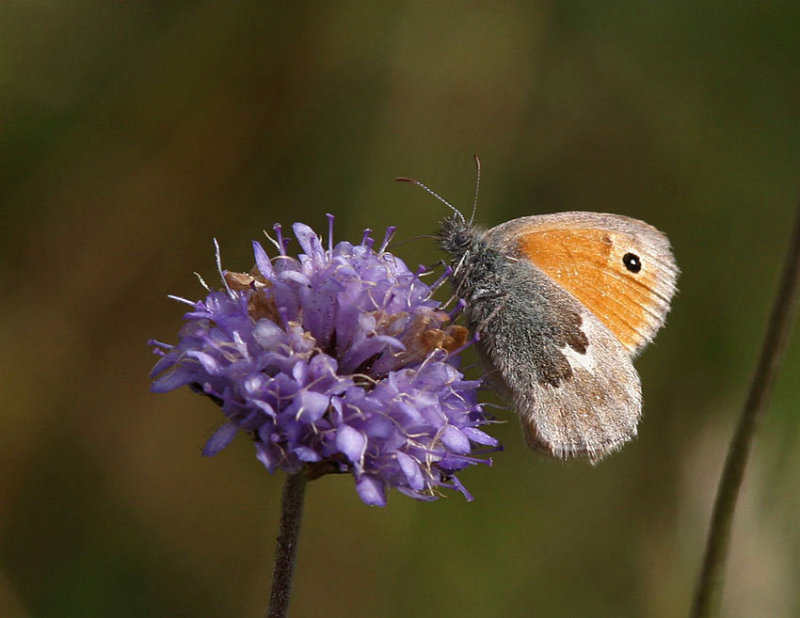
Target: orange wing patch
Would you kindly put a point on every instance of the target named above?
(590, 264)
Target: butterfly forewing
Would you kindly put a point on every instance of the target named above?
(620, 269)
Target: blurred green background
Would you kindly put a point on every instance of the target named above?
(133, 133)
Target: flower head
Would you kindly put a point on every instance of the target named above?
(337, 360)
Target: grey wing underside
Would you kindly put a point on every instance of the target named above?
(571, 381)
(592, 413)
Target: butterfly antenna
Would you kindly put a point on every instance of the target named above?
(413, 181)
(477, 187)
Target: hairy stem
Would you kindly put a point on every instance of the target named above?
(291, 517)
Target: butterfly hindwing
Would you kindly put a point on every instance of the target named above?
(570, 380)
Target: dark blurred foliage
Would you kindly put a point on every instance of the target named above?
(131, 133)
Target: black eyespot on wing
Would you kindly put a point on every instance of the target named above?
(632, 262)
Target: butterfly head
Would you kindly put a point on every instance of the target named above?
(456, 236)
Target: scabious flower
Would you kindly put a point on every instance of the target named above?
(337, 360)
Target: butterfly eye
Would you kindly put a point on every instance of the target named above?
(632, 262)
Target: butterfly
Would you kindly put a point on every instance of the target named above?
(561, 305)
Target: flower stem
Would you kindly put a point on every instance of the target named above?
(709, 587)
(291, 517)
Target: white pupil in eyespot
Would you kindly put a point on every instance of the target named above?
(632, 262)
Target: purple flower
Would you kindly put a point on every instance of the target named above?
(337, 360)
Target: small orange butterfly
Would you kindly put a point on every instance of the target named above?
(562, 304)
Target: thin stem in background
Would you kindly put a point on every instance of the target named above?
(710, 585)
(291, 516)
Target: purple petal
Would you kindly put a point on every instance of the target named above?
(221, 438)
(416, 495)
(479, 437)
(351, 442)
(410, 468)
(460, 487)
(312, 405)
(264, 407)
(295, 276)
(371, 490)
(305, 453)
(209, 363)
(268, 335)
(268, 455)
(163, 363)
(174, 379)
(455, 440)
(262, 260)
(309, 241)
